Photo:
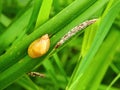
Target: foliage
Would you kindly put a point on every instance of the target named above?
(90, 60)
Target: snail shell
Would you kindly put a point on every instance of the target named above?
(39, 47)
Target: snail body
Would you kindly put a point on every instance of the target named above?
(39, 47)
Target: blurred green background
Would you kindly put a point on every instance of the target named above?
(59, 67)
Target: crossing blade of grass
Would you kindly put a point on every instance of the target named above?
(100, 35)
(103, 87)
(38, 8)
(14, 30)
(51, 72)
(33, 19)
(27, 83)
(89, 35)
(114, 68)
(106, 29)
(104, 59)
(93, 75)
(5, 20)
(44, 13)
(114, 80)
(56, 74)
(57, 60)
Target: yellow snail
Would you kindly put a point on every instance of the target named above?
(39, 47)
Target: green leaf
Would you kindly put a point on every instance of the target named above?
(83, 70)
